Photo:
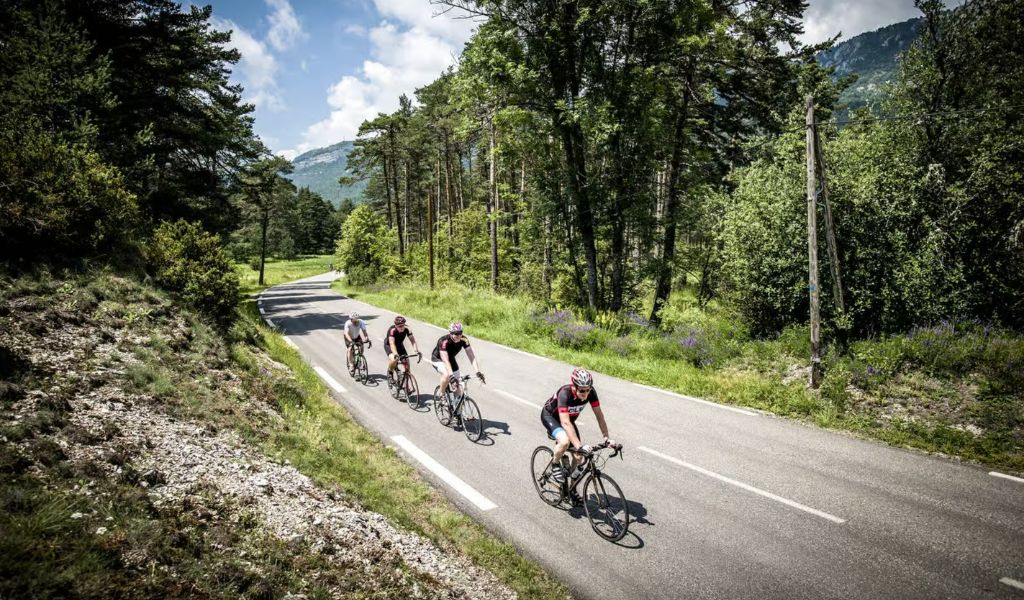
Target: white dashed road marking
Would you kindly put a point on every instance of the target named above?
(329, 380)
(1004, 476)
(446, 476)
(1012, 583)
(749, 488)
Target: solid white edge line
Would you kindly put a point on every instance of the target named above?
(1005, 476)
(1012, 583)
(740, 484)
(289, 341)
(526, 353)
(518, 399)
(446, 476)
(329, 380)
(692, 399)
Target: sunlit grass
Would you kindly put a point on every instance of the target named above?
(706, 352)
(277, 271)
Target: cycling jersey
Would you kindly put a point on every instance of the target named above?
(399, 336)
(445, 344)
(564, 401)
(353, 329)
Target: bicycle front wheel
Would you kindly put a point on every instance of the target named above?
(442, 409)
(362, 374)
(606, 507)
(411, 392)
(540, 468)
(472, 422)
(393, 384)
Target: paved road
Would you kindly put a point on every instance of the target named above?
(728, 503)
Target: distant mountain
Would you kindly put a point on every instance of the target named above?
(320, 169)
(873, 57)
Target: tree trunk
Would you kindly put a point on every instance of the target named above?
(663, 286)
(450, 204)
(430, 223)
(387, 187)
(264, 222)
(492, 220)
(403, 232)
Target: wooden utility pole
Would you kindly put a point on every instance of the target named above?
(830, 232)
(812, 247)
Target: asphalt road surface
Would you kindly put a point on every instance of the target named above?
(726, 502)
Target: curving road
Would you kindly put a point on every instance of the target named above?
(728, 503)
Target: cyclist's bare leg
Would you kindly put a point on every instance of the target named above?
(351, 355)
(443, 383)
(392, 362)
(561, 445)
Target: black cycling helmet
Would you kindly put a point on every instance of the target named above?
(399, 320)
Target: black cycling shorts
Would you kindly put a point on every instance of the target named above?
(553, 424)
(401, 349)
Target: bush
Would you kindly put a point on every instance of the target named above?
(363, 251)
(191, 264)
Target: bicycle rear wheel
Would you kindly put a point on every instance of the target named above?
(540, 468)
(472, 422)
(411, 392)
(606, 507)
(442, 409)
(361, 371)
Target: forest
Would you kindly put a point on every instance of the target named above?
(600, 155)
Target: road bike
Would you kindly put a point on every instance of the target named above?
(461, 410)
(402, 384)
(603, 500)
(357, 368)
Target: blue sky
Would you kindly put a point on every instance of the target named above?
(315, 69)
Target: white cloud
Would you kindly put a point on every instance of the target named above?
(826, 18)
(257, 68)
(406, 53)
(285, 28)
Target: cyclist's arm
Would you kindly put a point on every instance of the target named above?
(472, 359)
(393, 344)
(447, 363)
(601, 422)
(348, 338)
(363, 334)
(570, 430)
(415, 346)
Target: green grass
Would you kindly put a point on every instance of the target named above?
(949, 378)
(321, 439)
(277, 271)
(185, 367)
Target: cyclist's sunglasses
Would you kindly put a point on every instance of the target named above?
(584, 390)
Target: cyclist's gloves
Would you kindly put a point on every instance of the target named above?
(611, 443)
(481, 376)
(586, 450)
(369, 344)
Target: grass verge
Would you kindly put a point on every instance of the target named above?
(954, 389)
(322, 440)
(277, 271)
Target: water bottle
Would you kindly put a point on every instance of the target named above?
(577, 472)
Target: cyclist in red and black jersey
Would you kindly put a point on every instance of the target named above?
(394, 342)
(559, 418)
(443, 356)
